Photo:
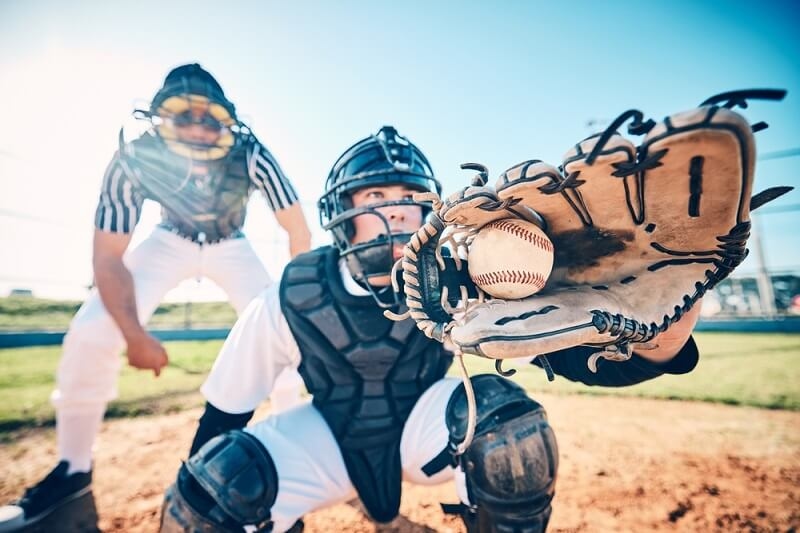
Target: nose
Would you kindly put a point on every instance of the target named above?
(397, 213)
(195, 132)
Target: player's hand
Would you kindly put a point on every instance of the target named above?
(667, 344)
(146, 353)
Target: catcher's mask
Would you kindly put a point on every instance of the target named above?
(385, 158)
(190, 95)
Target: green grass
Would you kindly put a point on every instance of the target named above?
(27, 377)
(761, 370)
(19, 313)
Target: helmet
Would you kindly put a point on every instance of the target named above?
(189, 88)
(385, 158)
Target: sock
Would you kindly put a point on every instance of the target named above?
(76, 432)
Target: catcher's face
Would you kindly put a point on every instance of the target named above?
(401, 218)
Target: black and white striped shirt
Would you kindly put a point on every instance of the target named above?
(212, 203)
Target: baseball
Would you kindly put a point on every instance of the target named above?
(510, 259)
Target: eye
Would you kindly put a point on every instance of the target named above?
(408, 197)
(374, 194)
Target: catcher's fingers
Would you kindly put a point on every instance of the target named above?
(542, 187)
(552, 321)
(710, 152)
(474, 206)
(610, 178)
(540, 324)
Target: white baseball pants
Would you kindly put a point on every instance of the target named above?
(88, 370)
(311, 471)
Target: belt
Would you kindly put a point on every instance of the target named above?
(200, 237)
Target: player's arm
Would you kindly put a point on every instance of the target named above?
(269, 178)
(293, 221)
(117, 214)
(572, 364)
(667, 345)
(115, 285)
(676, 353)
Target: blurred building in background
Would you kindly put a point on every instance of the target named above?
(740, 296)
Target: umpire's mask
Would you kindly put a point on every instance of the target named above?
(191, 96)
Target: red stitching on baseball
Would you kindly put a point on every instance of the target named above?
(511, 227)
(509, 276)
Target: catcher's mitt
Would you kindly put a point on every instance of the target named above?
(640, 234)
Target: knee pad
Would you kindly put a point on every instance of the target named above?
(511, 464)
(230, 482)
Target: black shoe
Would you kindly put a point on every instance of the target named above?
(39, 501)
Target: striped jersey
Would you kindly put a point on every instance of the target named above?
(204, 201)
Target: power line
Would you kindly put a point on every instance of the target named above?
(779, 154)
(17, 214)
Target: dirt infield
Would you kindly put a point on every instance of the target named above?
(626, 465)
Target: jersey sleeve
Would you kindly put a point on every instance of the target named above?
(258, 348)
(572, 364)
(120, 204)
(269, 178)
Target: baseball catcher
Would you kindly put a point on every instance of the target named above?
(383, 409)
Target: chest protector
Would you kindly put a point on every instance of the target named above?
(213, 203)
(365, 372)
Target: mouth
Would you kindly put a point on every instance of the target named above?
(399, 244)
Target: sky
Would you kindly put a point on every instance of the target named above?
(490, 82)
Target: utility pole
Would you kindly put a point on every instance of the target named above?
(765, 292)
(187, 315)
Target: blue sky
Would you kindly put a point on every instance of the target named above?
(495, 83)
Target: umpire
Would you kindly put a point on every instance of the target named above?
(200, 163)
